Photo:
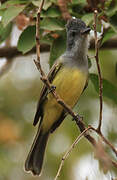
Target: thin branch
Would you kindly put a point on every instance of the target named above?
(12, 52)
(114, 163)
(98, 130)
(76, 142)
(108, 143)
(69, 151)
(38, 39)
(105, 140)
(99, 70)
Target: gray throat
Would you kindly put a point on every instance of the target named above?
(76, 55)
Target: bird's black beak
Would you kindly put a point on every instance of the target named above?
(86, 30)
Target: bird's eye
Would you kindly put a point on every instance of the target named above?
(73, 33)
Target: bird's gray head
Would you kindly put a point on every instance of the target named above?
(77, 35)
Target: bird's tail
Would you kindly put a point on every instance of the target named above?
(35, 157)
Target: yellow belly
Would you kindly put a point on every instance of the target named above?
(69, 86)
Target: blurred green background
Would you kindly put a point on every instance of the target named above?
(19, 92)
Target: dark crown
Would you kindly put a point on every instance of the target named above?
(75, 24)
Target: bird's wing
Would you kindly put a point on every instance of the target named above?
(57, 123)
(44, 92)
(86, 84)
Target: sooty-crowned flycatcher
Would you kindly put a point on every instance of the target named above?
(69, 75)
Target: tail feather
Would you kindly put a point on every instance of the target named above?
(35, 157)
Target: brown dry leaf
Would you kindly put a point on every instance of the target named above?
(63, 8)
(94, 4)
(22, 21)
(47, 31)
(103, 157)
(55, 35)
(9, 132)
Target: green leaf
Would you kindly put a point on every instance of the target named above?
(107, 4)
(58, 48)
(111, 10)
(79, 2)
(5, 31)
(27, 39)
(88, 18)
(89, 62)
(54, 1)
(51, 12)
(8, 4)
(47, 39)
(47, 4)
(51, 24)
(112, 135)
(1, 12)
(36, 3)
(11, 13)
(109, 90)
(113, 22)
(108, 35)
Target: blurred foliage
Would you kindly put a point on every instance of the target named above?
(109, 90)
(20, 88)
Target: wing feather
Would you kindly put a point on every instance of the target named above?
(44, 92)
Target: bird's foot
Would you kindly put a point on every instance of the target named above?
(52, 89)
(78, 118)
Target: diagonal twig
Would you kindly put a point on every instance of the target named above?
(83, 133)
(37, 62)
(69, 151)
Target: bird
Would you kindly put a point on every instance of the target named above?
(69, 75)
